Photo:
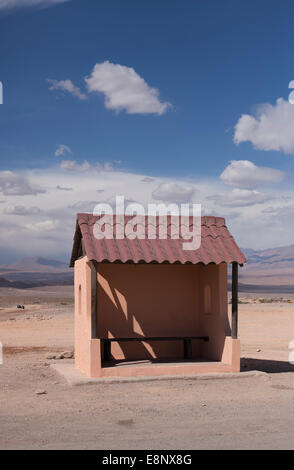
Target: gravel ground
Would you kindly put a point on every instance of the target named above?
(39, 411)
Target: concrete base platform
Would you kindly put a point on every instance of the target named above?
(74, 376)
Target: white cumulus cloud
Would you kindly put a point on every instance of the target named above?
(83, 206)
(61, 188)
(22, 210)
(72, 165)
(270, 129)
(49, 219)
(239, 198)
(247, 175)
(14, 184)
(61, 150)
(44, 226)
(124, 89)
(173, 192)
(9, 4)
(68, 86)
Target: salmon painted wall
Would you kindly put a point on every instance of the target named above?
(87, 350)
(153, 300)
(214, 319)
(82, 313)
(149, 300)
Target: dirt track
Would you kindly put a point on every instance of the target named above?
(255, 412)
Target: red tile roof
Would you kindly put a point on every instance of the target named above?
(217, 245)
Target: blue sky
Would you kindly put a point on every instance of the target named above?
(211, 63)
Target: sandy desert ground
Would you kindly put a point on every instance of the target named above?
(239, 413)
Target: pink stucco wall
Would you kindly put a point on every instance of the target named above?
(87, 350)
(214, 322)
(163, 300)
(154, 300)
(148, 300)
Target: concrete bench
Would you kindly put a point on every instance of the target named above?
(186, 339)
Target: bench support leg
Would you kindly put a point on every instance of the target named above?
(107, 350)
(187, 349)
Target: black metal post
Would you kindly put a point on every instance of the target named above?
(235, 300)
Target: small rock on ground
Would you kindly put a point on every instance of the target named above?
(66, 355)
(51, 356)
(63, 355)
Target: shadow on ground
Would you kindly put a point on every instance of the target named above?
(265, 365)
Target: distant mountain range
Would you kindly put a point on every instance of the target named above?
(267, 269)
(271, 267)
(16, 284)
(34, 272)
(38, 264)
(271, 255)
